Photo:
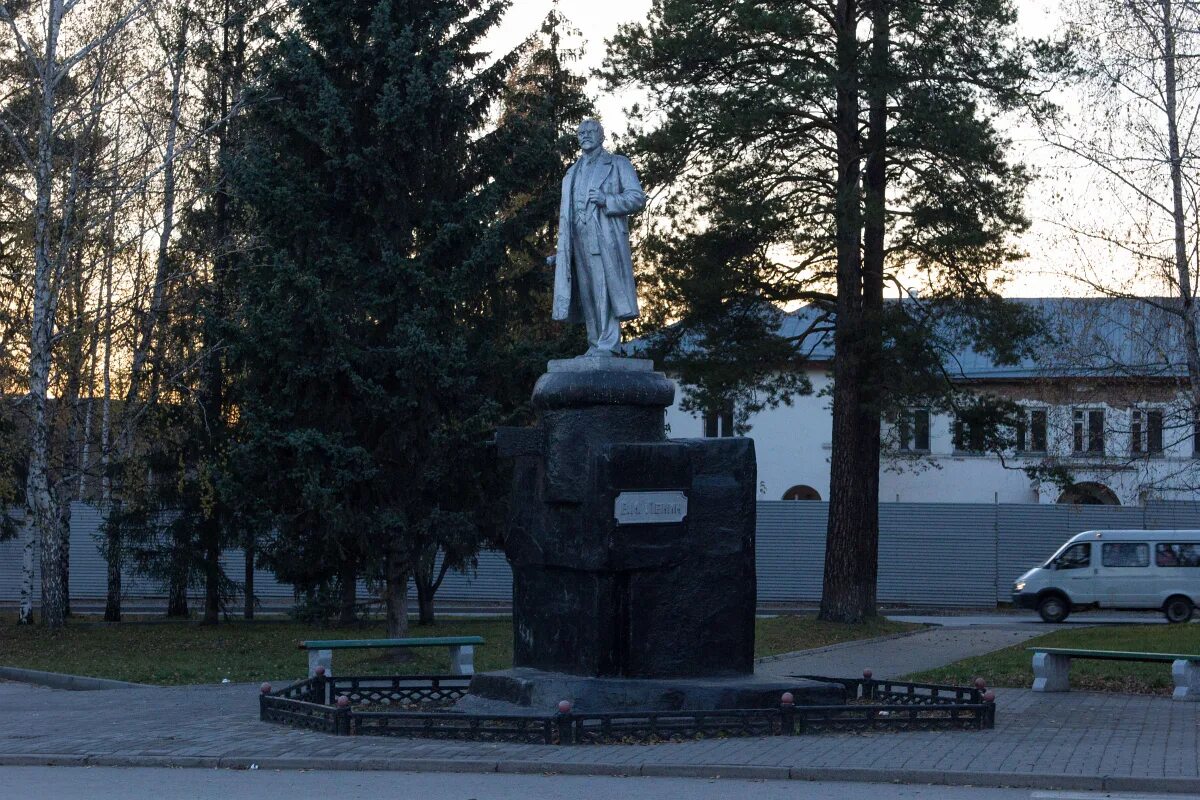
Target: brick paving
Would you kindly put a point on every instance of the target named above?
(1077, 740)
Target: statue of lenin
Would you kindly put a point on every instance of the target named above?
(593, 268)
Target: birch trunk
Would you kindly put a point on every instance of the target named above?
(89, 411)
(145, 335)
(28, 540)
(112, 532)
(39, 499)
(69, 283)
(63, 507)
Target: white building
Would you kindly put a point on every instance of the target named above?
(1109, 402)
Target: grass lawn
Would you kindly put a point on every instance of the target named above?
(785, 634)
(171, 653)
(1012, 666)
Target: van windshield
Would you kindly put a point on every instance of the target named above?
(1050, 561)
(1074, 556)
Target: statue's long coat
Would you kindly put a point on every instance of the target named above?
(614, 176)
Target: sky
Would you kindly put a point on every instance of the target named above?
(597, 20)
(1050, 256)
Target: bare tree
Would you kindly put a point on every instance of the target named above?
(51, 58)
(1134, 132)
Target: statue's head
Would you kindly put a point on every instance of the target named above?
(591, 134)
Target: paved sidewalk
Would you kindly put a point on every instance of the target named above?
(1077, 740)
(1064, 741)
(1030, 619)
(901, 655)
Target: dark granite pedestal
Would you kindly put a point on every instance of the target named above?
(536, 691)
(632, 555)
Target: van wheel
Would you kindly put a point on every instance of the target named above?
(1177, 609)
(1053, 608)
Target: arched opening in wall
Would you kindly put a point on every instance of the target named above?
(1089, 494)
(802, 492)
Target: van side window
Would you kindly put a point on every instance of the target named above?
(1077, 556)
(1177, 555)
(1125, 554)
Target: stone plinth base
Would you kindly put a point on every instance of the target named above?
(536, 691)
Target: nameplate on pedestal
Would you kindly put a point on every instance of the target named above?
(649, 508)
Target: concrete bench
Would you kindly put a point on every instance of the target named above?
(462, 650)
(1052, 668)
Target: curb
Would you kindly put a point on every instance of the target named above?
(61, 680)
(1030, 780)
(843, 645)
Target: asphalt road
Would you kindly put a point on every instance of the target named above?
(108, 783)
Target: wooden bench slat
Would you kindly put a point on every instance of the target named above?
(433, 641)
(1114, 655)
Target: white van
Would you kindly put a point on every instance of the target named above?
(1116, 569)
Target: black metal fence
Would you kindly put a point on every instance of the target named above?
(407, 706)
(396, 691)
(905, 693)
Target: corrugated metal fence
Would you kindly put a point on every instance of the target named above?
(943, 554)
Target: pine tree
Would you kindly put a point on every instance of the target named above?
(809, 164)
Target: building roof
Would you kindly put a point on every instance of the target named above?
(1091, 337)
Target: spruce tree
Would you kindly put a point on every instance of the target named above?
(365, 177)
(814, 153)
(509, 332)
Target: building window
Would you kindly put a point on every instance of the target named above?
(913, 430)
(719, 423)
(802, 492)
(1146, 432)
(968, 436)
(1088, 430)
(1089, 494)
(1031, 431)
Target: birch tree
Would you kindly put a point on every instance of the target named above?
(51, 51)
(1134, 134)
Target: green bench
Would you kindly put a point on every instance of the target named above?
(1052, 668)
(462, 650)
